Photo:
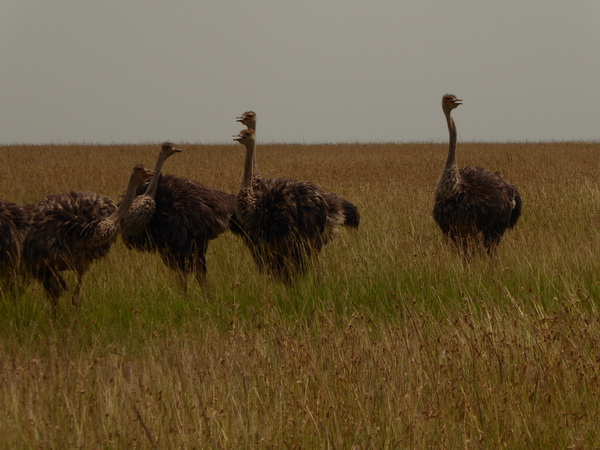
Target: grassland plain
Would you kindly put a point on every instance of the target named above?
(392, 341)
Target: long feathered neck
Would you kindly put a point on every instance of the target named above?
(153, 185)
(450, 179)
(249, 165)
(121, 211)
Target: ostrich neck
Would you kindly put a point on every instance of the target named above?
(451, 161)
(126, 203)
(252, 126)
(249, 165)
(153, 185)
(450, 181)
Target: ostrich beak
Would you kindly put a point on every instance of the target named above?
(458, 101)
(237, 137)
(178, 150)
(149, 172)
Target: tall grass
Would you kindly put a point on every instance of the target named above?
(391, 340)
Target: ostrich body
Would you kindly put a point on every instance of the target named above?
(14, 223)
(187, 216)
(472, 201)
(285, 222)
(143, 208)
(70, 231)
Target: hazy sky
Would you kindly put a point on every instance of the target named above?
(112, 71)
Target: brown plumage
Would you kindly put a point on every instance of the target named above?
(14, 223)
(143, 209)
(285, 222)
(472, 201)
(187, 216)
(70, 231)
(340, 211)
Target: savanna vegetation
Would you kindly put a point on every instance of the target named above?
(392, 340)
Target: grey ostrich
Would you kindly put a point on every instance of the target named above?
(187, 216)
(70, 231)
(143, 209)
(472, 201)
(14, 223)
(286, 222)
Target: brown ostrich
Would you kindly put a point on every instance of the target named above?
(472, 201)
(339, 210)
(70, 231)
(143, 209)
(187, 216)
(286, 222)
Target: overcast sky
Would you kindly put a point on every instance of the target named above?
(112, 71)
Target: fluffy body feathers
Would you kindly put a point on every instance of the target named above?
(285, 222)
(70, 231)
(187, 216)
(14, 224)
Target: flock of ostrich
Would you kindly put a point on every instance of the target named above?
(284, 222)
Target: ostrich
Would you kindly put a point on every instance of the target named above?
(472, 200)
(286, 222)
(187, 216)
(70, 231)
(340, 210)
(14, 223)
(133, 226)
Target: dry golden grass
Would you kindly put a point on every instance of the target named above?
(396, 343)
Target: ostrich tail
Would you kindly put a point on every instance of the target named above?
(351, 214)
(516, 212)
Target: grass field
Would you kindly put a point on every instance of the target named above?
(395, 343)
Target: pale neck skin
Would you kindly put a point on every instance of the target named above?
(450, 180)
(249, 164)
(121, 211)
(451, 160)
(153, 185)
(251, 125)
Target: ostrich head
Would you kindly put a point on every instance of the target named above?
(168, 148)
(449, 102)
(248, 119)
(140, 173)
(245, 136)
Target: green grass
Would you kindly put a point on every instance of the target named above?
(392, 340)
